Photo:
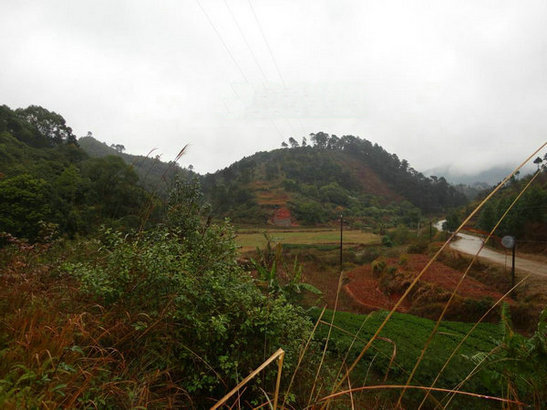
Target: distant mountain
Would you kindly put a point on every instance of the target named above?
(487, 177)
(473, 191)
(154, 175)
(316, 183)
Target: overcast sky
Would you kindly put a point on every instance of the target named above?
(457, 83)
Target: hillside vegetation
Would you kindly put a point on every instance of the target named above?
(155, 175)
(527, 221)
(316, 182)
(49, 184)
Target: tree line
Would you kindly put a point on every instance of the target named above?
(320, 179)
(48, 183)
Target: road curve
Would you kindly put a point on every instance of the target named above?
(471, 244)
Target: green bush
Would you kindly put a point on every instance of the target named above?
(186, 276)
(386, 241)
(378, 267)
(214, 309)
(366, 255)
(417, 247)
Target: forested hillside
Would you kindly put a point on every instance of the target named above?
(49, 184)
(527, 221)
(318, 181)
(154, 175)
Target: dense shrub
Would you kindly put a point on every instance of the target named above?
(186, 276)
(418, 247)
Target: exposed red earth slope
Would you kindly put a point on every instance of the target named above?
(364, 288)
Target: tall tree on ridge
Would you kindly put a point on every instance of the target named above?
(293, 142)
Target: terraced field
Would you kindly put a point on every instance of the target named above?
(251, 239)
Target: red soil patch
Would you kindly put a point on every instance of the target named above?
(273, 197)
(269, 193)
(446, 277)
(363, 288)
(282, 217)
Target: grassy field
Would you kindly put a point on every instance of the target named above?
(409, 334)
(252, 239)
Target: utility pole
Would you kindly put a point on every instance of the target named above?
(430, 231)
(513, 266)
(510, 242)
(341, 238)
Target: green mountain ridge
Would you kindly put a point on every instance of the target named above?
(49, 184)
(155, 175)
(317, 182)
(82, 183)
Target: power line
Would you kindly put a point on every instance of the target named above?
(245, 39)
(222, 41)
(272, 55)
(255, 59)
(229, 51)
(277, 128)
(267, 44)
(219, 35)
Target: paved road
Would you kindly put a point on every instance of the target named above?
(470, 244)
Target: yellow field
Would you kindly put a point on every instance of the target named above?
(250, 240)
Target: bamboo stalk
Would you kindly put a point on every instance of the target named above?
(464, 275)
(328, 337)
(302, 353)
(400, 386)
(280, 353)
(428, 389)
(278, 381)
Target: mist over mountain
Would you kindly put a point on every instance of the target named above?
(490, 176)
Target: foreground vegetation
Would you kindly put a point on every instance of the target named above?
(497, 349)
(162, 318)
(167, 318)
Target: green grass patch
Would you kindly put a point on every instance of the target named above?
(409, 334)
(318, 246)
(306, 237)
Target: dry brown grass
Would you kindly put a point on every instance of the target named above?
(62, 351)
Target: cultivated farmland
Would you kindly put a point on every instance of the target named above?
(251, 239)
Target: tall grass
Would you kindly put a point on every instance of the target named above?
(54, 353)
(415, 281)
